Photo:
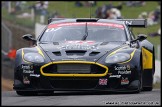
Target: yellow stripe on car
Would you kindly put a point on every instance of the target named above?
(40, 52)
(117, 50)
(132, 54)
(23, 57)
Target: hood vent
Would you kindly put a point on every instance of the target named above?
(58, 53)
(104, 43)
(55, 43)
(75, 52)
(94, 53)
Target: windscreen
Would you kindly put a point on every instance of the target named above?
(94, 31)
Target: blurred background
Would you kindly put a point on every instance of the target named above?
(30, 17)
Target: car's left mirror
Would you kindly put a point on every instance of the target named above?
(28, 37)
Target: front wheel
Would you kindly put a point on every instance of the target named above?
(139, 86)
(147, 88)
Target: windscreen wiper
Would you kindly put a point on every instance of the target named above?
(86, 32)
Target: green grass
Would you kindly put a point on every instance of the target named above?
(157, 86)
(12, 18)
(69, 10)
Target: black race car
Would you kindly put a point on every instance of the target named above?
(86, 54)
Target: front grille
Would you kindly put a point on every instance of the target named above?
(74, 68)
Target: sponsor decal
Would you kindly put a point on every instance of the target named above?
(28, 71)
(31, 66)
(26, 66)
(88, 23)
(109, 73)
(52, 29)
(102, 81)
(35, 75)
(123, 69)
(115, 76)
(26, 80)
(74, 56)
(129, 22)
(124, 72)
(127, 67)
(81, 42)
(120, 68)
(124, 81)
(78, 59)
(78, 46)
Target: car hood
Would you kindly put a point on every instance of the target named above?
(78, 50)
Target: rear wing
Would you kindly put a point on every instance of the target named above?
(77, 19)
(135, 22)
(129, 22)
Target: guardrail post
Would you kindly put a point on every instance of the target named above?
(7, 36)
(42, 18)
(9, 7)
(158, 52)
(32, 14)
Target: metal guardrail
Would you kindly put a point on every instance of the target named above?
(7, 66)
(6, 38)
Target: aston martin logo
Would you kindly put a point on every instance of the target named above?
(74, 56)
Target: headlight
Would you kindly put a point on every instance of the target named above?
(33, 57)
(118, 57)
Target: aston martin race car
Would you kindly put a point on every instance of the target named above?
(86, 54)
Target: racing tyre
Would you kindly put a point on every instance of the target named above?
(147, 88)
(139, 87)
(26, 93)
(140, 82)
(140, 78)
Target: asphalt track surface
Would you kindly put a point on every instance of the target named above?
(84, 98)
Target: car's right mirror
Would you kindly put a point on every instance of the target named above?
(141, 37)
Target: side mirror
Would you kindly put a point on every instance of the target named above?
(28, 37)
(141, 37)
